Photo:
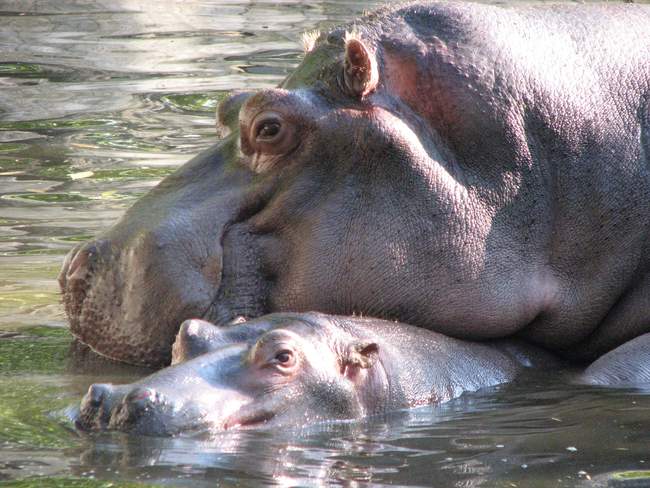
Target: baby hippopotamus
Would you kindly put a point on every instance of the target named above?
(300, 369)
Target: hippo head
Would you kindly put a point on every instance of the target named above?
(336, 192)
(281, 369)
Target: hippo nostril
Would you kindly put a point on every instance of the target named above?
(78, 268)
(143, 410)
(141, 399)
(95, 407)
(79, 262)
(97, 395)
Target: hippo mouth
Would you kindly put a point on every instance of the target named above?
(257, 419)
(124, 308)
(152, 421)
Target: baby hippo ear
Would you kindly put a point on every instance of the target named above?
(360, 355)
(195, 337)
(360, 69)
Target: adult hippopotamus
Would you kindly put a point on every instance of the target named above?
(296, 369)
(477, 170)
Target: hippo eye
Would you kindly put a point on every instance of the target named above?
(284, 358)
(268, 136)
(267, 129)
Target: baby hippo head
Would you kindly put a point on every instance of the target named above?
(282, 369)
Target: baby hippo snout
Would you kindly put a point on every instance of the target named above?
(117, 408)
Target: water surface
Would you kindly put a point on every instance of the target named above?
(101, 99)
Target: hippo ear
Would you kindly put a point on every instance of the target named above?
(195, 337)
(361, 355)
(359, 69)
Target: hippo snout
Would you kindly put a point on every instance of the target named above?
(109, 289)
(140, 409)
(81, 261)
(76, 275)
(127, 292)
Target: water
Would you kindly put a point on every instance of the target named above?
(98, 101)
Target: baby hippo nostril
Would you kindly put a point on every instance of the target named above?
(97, 394)
(95, 407)
(141, 400)
(143, 410)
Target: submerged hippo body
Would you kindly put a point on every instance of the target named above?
(477, 170)
(295, 369)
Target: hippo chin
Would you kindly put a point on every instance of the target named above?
(295, 369)
(477, 170)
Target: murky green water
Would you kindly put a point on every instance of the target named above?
(98, 101)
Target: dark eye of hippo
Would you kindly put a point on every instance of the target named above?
(276, 351)
(285, 358)
(269, 136)
(267, 129)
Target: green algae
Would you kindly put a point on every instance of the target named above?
(21, 69)
(41, 350)
(194, 102)
(632, 475)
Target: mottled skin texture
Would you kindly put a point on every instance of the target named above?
(493, 181)
(332, 368)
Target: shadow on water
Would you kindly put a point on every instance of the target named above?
(101, 99)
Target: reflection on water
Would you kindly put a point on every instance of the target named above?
(101, 99)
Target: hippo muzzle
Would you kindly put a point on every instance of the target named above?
(141, 409)
(191, 397)
(127, 292)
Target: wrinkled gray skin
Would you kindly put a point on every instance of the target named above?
(625, 366)
(295, 369)
(477, 170)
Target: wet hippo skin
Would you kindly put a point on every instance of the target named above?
(294, 369)
(477, 170)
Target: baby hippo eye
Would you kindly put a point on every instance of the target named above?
(285, 358)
